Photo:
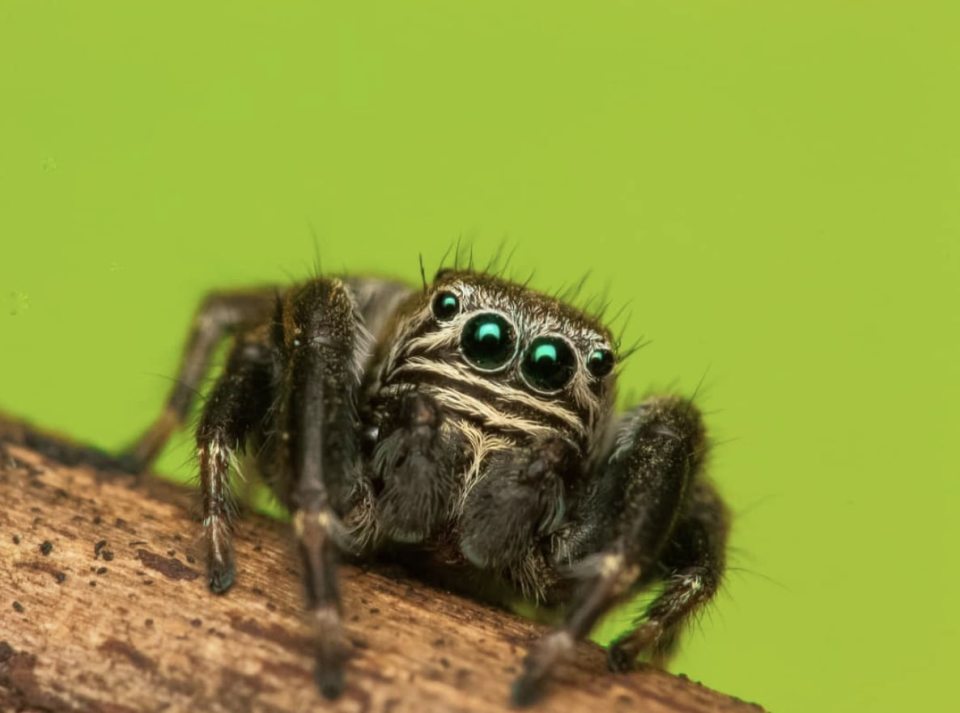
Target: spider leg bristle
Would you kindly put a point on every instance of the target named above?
(618, 315)
(638, 344)
(317, 270)
(493, 264)
(443, 258)
(696, 390)
(526, 283)
(573, 292)
(423, 274)
(457, 264)
(509, 260)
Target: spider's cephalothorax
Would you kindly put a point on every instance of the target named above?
(466, 429)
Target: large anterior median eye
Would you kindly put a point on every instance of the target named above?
(488, 341)
(549, 364)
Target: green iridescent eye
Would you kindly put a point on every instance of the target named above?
(600, 362)
(549, 364)
(488, 341)
(445, 305)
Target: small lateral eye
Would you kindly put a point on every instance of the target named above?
(549, 364)
(445, 305)
(600, 362)
(488, 341)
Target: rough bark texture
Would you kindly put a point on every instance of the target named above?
(104, 607)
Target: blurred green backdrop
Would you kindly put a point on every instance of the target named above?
(771, 186)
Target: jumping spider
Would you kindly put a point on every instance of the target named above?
(468, 430)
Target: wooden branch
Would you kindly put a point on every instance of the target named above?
(104, 607)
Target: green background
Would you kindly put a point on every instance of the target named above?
(771, 187)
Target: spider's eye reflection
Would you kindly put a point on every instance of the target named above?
(600, 362)
(549, 364)
(488, 341)
(445, 305)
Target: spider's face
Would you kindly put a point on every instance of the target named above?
(505, 355)
(503, 328)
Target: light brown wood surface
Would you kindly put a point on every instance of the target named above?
(104, 607)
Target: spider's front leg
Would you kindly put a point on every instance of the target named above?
(693, 563)
(624, 525)
(321, 340)
(238, 403)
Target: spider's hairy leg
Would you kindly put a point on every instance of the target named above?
(220, 314)
(320, 333)
(624, 524)
(237, 404)
(694, 561)
(415, 468)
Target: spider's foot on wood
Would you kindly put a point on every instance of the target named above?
(330, 652)
(529, 685)
(329, 681)
(624, 653)
(220, 576)
(221, 567)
